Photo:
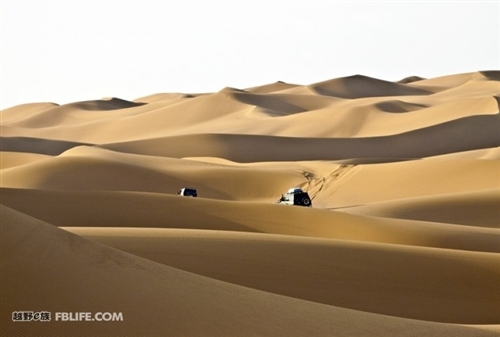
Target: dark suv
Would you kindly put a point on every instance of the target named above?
(295, 196)
(187, 192)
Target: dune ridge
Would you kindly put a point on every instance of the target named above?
(128, 209)
(402, 239)
(448, 138)
(359, 86)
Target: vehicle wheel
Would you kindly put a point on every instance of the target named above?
(306, 201)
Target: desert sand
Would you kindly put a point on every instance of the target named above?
(402, 239)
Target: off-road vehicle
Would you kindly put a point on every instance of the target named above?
(187, 192)
(295, 196)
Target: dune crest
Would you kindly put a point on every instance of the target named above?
(359, 86)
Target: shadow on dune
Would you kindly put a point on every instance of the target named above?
(105, 104)
(469, 133)
(49, 147)
(493, 75)
(396, 106)
(359, 86)
(410, 79)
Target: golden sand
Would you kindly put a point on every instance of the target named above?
(403, 238)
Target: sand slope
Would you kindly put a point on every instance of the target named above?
(403, 238)
(470, 209)
(328, 271)
(74, 274)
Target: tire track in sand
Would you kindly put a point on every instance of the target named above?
(316, 184)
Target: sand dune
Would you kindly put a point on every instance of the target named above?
(359, 86)
(331, 184)
(364, 184)
(470, 209)
(402, 239)
(445, 138)
(12, 159)
(36, 145)
(455, 80)
(363, 107)
(90, 168)
(272, 87)
(133, 209)
(73, 274)
(327, 271)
